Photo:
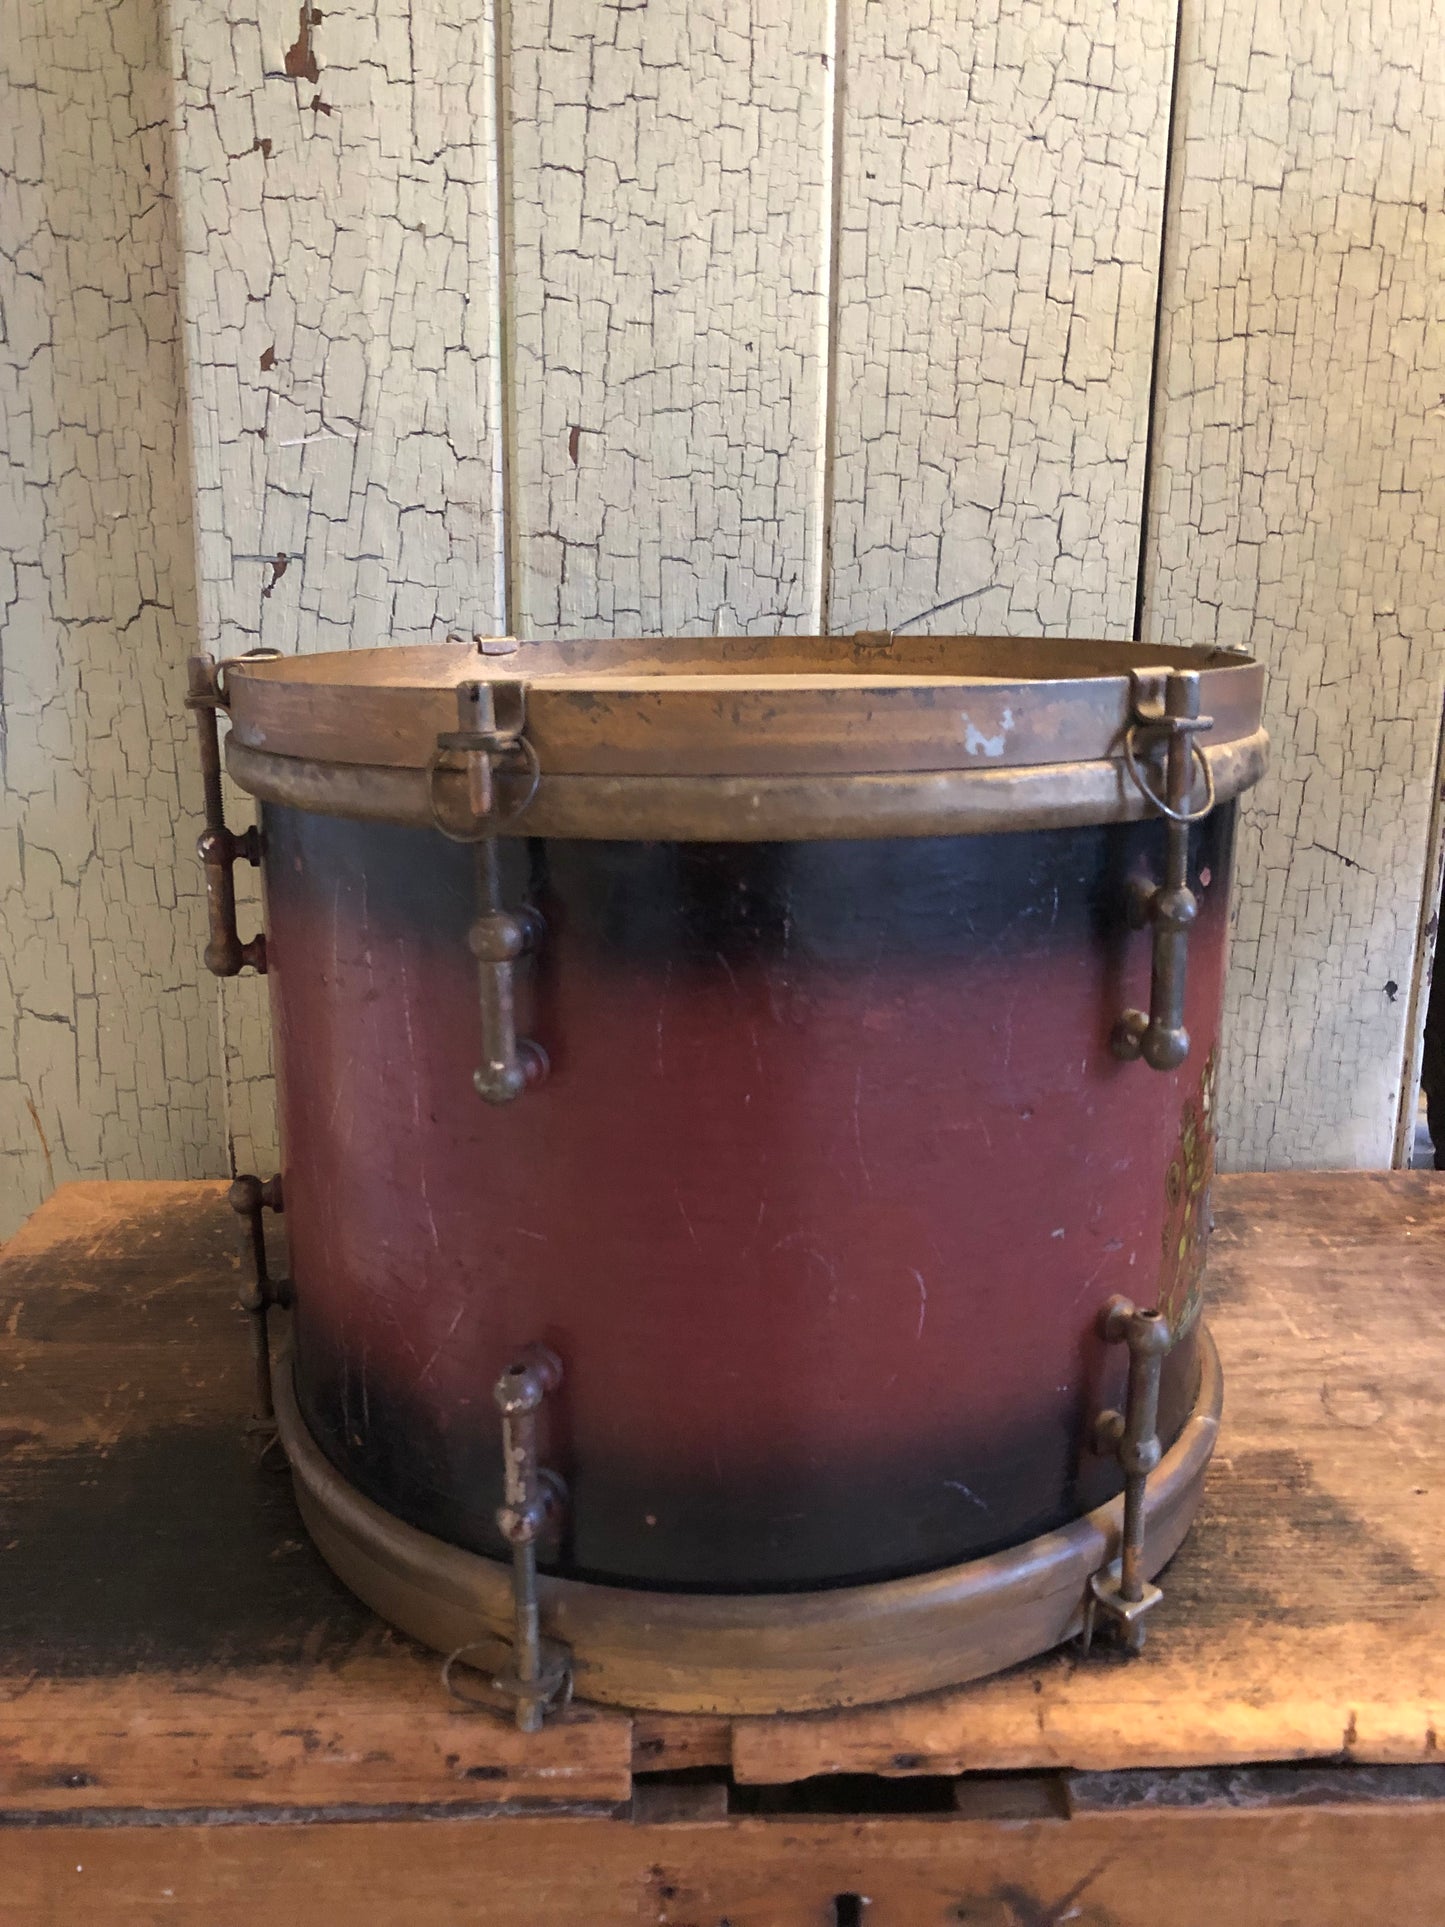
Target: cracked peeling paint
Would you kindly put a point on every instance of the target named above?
(998, 240)
(108, 1061)
(743, 319)
(668, 212)
(340, 320)
(1298, 508)
(341, 311)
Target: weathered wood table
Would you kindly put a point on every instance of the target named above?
(198, 1724)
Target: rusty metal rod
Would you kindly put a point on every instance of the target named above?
(217, 847)
(249, 1197)
(498, 938)
(528, 1499)
(1132, 1436)
(1146, 1333)
(1159, 1036)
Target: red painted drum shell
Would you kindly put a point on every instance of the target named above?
(831, 1177)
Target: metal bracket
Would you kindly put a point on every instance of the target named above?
(217, 847)
(1120, 1592)
(490, 737)
(249, 1197)
(533, 1498)
(1165, 707)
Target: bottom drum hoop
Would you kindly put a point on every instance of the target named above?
(752, 1653)
(747, 809)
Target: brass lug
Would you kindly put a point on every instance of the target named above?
(1121, 1593)
(533, 1498)
(218, 847)
(1165, 709)
(249, 1197)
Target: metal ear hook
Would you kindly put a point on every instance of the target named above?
(1160, 803)
(490, 733)
(489, 1698)
(223, 692)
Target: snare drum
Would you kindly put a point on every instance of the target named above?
(747, 1123)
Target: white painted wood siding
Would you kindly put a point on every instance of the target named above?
(341, 319)
(1002, 171)
(108, 1063)
(1299, 509)
(670, 171)
(691, 316)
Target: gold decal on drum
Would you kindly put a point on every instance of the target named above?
(1187, 1217)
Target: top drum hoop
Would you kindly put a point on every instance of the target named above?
(735, 738)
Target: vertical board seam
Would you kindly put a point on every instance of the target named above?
(832, 233)
(228, 1108)
(1425, 951)
(1152, 427)
(504, 433)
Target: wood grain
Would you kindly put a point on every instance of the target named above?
(364, 1733)
(1330, 1866)
(149, 1564)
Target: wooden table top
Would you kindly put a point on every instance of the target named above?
(169, 1639)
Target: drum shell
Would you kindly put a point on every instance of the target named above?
(833, 1172)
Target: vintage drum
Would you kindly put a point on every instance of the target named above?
(747, 1122)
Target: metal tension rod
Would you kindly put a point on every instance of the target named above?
(218, 847)
(541, 1673)
(1121, 1592)
(490, 739)
(498, 938)
(1166, 703)
(249, 1197)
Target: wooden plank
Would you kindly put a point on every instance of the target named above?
(1298, 508)
(337, 194)
(1002, 174)
(376, 1731)
(1299, 1619)
(149, 1564)
(167, 1636)
(668, 184)
(1331, 1866)
(107, 1057)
